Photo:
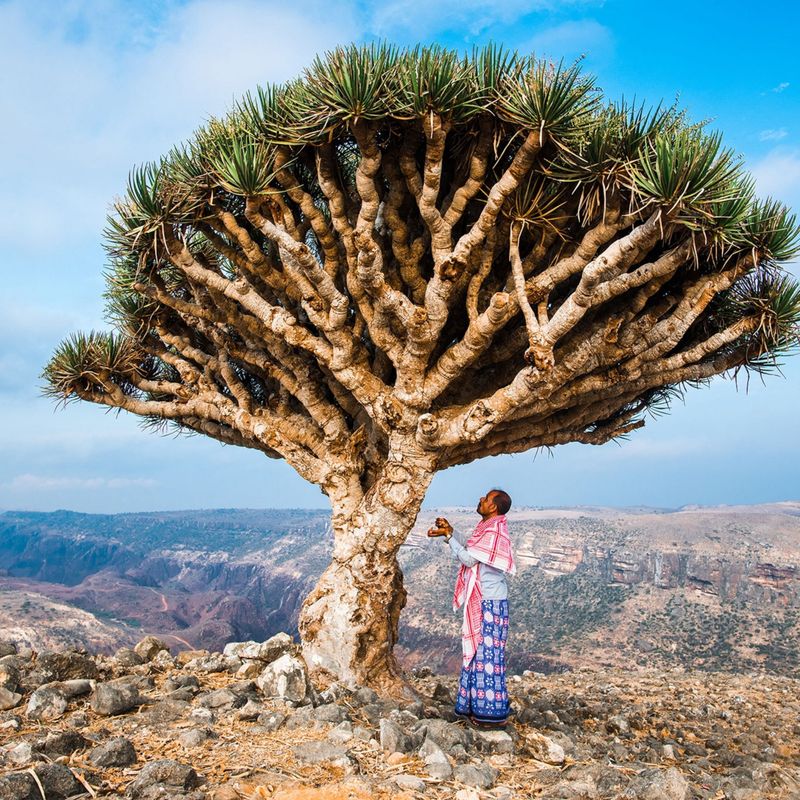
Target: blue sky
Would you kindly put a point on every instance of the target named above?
(90, 88)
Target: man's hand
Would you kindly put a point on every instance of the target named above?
(442, 528)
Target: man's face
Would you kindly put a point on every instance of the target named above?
(486, 504)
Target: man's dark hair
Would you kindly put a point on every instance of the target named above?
(502, 501)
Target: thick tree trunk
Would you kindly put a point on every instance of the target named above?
(349, 622)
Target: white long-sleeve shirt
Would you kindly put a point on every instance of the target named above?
(493, 581)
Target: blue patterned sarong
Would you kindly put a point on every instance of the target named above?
(482, 690)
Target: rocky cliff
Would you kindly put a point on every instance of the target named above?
(700, 588)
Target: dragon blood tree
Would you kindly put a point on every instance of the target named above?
(410, 259)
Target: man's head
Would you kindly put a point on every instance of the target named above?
(494, 502)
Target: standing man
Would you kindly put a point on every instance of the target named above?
(482, 590)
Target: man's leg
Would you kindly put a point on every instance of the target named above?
(491, 701)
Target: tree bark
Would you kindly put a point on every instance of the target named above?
(349, 622)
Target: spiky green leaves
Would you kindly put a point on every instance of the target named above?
(558, 101)
(86, 362)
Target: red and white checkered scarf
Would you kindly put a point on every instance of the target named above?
(489, 544)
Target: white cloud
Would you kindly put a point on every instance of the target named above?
(773, 135)
(101, 90)
(780, 87)
(28, 482)
(778, 174)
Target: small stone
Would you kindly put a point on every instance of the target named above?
(149, 647)
(77, 720)
(265, 652)
(250, 669)
(494, 742)
(7, 649)
(439, 770)
(618, 725)
(186, 656)
(250, 711)
(117, 752)
(441, 694)
(318, 751)
(668, 752)
(480, 776)
(364, 696)
(271, 720)
(653, 784)
(332, 713)
(168, 773)
(196, 736)
(9, 699)
(396, 758)
(446, 734)
(21, 754)
(203, 715)
(341, 735)
(9, 676)
(58, 781)
(46, 703)
(218, 698)
(163, 661)
(60, 743)
(392, 737)
(66, 665)
(545, 749)
(286, 678)
(19, 786)
(126, 657)
(168, 710)
(410, 782)
(111, 700)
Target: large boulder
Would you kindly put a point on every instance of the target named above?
(286, 678)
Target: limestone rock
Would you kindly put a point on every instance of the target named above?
(273, 648)
(172, 775)
(46, 703)
(286, 677)
(110, 700)
(117, 752)
(319, 751)
(271, 720)
(481, 776)
(149, 647)
(653, 784)
(410, 782)
(392, 737)
(9, 699)
(544, 749)
(494, 742)
(125, 657)
(67, 665)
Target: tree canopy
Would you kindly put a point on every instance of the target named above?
(479, 251)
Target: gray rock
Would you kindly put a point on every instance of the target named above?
(163, 661)
(318, 751)
(365, 696)
(655, 784)
(9, 699)
(250, 711)
(19, 786)
(441, 694)
(618, 725)
(109, 700)
(208, 664)
(271, 720)
(196, 736)
(440, 770)
(203, 715)
(494, 742)
(286, 678)
(46, 703)
(60, 743)
(149, 647)
(446, 734)
(66, 665)
(126, 657)
(273, 648)
(58, 781)
(117, 752)
(22, 754)
(169, 709)
(9, 676)
(181, 682)
(583, 788)
(481, 776)
(332, 713)
(392, 737)
(218, 698)
(7, 649)
(544, 749)
(170, 774)
(410, 782)
(341, 734)
(77, 720)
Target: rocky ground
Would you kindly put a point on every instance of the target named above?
(247, 723)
